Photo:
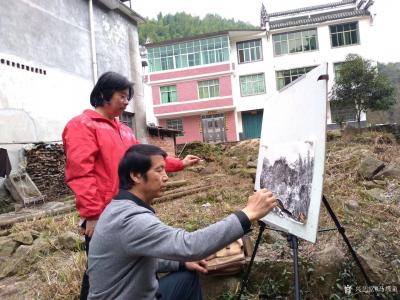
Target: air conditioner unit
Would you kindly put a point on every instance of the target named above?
(111, 4)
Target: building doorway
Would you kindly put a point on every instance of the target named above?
(213, 128)
(252, 122)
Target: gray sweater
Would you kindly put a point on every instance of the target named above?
(130, 245)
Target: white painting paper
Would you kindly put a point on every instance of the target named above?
(292, 153)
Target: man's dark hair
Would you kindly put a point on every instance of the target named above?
(107, 85)
(137, 159)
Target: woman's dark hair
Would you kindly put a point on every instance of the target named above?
(137, 159)
(107, 85)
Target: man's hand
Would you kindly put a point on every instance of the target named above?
(90, 225)
(190, 160)
(199, 266)
(259, 204)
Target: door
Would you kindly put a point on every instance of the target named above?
(213, 128)
(252, 122)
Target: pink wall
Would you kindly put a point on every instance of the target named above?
(193, 106)
(191, 127)
(193, 132)
(192, 71)
(188, 90)
(230, 126)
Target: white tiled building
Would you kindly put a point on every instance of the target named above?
(261, 62)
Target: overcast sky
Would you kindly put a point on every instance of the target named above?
(385, 28)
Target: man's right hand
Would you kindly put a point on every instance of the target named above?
(90, 225)
(259, 204)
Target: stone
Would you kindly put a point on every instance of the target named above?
(272, 237)
(249, 173)
(8, 267)
(18, 207)
(369, 166)
(70, 241)
(352, 205)
(234, 171)
(329, 259)
(23, 237)
(214, 286)
(41, 246)
(232, 165)
(371, 263)
(396, 267)
(196, 169)
(250, 158)
(375, 194)
(23, 252)
(370, 184)
(4, 232)
(35, 234)
(380, 182)
(7, 246)
(252, 164)
(208, 170)
(391, 171)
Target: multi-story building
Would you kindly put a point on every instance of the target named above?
(214, 87)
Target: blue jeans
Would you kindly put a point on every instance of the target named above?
(183, 285)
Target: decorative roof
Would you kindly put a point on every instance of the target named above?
(318, 18)
(311, 8)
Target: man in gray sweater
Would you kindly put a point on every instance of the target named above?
(130, 244)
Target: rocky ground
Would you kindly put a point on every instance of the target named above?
(42, 258)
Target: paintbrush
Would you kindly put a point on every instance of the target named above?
(283, 209)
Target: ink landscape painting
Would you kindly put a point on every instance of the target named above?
(287, 171)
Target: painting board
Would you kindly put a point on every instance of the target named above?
(292, 153)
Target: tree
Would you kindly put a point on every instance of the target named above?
(360, 85)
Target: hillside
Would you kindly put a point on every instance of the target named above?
(46, 253)
(180, 25)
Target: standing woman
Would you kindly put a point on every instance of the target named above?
(94, 143)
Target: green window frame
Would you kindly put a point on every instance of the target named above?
(336, 69)
(176, 124)
(208, 88)
(284, 77)
(249, 51)
(168, 94)
(188, 54)
(295, 41)
(344, 34)
(251, 85)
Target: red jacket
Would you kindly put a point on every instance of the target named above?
(93, 147)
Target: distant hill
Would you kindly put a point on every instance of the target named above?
(182, 25)
(392, 72)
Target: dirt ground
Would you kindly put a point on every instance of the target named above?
(220, 186)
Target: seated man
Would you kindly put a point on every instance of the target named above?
(130, 244)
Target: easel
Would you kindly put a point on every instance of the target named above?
(294, 246)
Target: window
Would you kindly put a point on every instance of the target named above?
(187, 54)
(285, 77)
(209, 88)
(342, 114)
(252, 84)
(293, 42)
(176, 124)
(127, 119)
(168, 94)
(336, 69)
(249, 51)
(344, 34)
